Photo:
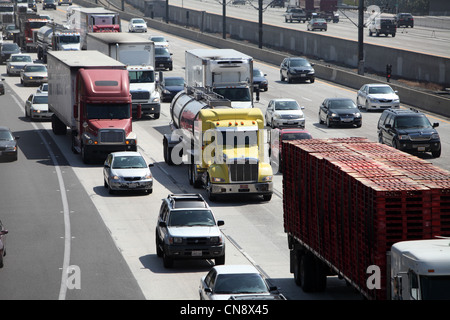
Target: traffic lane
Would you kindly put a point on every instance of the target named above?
(37, 230)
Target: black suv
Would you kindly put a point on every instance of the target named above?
(404, 20)
(163, 59)
(296, 68)
(49, 4)
(187, 229)
(409, 130)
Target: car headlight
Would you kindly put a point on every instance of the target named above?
(435, 136)
(311, 71)
(373, 99)
(155, 99)
(276, 116)
(267, 179)
(9, 149)
(357, 115)
(115, 178)
(396, 100)
(216, 240)
(175, 240)
(334, 114)
(403, 137)
(148, 176)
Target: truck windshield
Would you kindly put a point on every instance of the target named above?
(141, 76)
(435, 287)
(69, 39)
(108, 111)
(233, 139)
(234, 94)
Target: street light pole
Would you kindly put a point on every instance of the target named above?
(224, 19)
(361, 37)
(260, 23)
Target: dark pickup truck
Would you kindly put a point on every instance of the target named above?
(295, 14)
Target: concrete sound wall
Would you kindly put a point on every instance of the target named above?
(430, 102)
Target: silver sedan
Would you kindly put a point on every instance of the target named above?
(34, 73)
(127, 171)
(17, 62)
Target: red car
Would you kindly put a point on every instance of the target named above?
(279, 135)
(3, 231)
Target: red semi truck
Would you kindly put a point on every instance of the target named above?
(89, 93)
(368, 213)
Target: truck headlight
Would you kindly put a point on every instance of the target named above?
(155, 99)
(267, 179)
(175, 240)
(217, 179)
(403, 137)
(216, 240)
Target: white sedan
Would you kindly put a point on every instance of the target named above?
(226, 282)
(377, 96)
(137, 25)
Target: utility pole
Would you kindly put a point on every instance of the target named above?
(361, 37)
(260, 23)
(224, 19)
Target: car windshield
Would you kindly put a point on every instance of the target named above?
(386, 22)
(287, 105)
(190, 218)
(158, 39)
(258, 73)
(10, 27)
(380, 90)
(40, 99)
(295, 136)
(138, 21)
(35, 69)
(406, 122)
(6, 135)
(174, 82)
(21, 59)
(10, 47)
(342, 104)
(299, 63)
(159, 51)
(240, 284)
(128, 162)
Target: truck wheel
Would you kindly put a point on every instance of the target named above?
(86, 159)
(320, 283)
(58, 127)
(167, 153)
(307, 272)
(297, 271)
(211, 196)
(267, 197)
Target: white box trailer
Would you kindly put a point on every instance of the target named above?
(226, 72)
(98, 19)
(138, 53)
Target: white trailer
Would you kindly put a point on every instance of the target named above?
(98, 19)
(138, 54)
(226, 72)
(55, 37)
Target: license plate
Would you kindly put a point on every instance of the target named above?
(132, 185)
(347, 120)
(197, 253)
(161, 64)
(303, 75)
(244, 186)
(420, 148)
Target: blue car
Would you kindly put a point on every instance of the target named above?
(169, 87)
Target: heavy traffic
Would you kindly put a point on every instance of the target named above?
(217, 140)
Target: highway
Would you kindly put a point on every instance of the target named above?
(59, 214)
(423, 39)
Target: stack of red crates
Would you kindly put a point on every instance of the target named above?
(350, 199)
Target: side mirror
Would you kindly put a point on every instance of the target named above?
(273, 288)
(388, 125)
(3, 232)
(151, 165)
(220, 223)
(208, 290)
(162, 224)
(436, 124)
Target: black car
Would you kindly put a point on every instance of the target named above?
(163, 59)
(409, 130)
(7, 49)
(9, 30)
(404, 20)
(339, 111)
(296, 68)
(8, 144)
(48, 4)
(169, 87)
(259, 80)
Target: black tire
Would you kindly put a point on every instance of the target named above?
(167, 261)
(167, 153)
(307, 272)
(297, 271)
(159, 251)
(219, 260)
(436, 154)
(267, 197)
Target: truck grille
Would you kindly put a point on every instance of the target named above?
(243, 172)
(140, 95)
(112, 136)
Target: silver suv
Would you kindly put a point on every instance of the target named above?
(186, 229)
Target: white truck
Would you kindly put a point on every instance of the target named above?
(226, 72)
(55, 37)
(6, 14)
(138, 54)
(420, 270)
(98, 19)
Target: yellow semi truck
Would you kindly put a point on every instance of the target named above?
(223, 147)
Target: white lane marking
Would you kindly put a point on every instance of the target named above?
(67, 234)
